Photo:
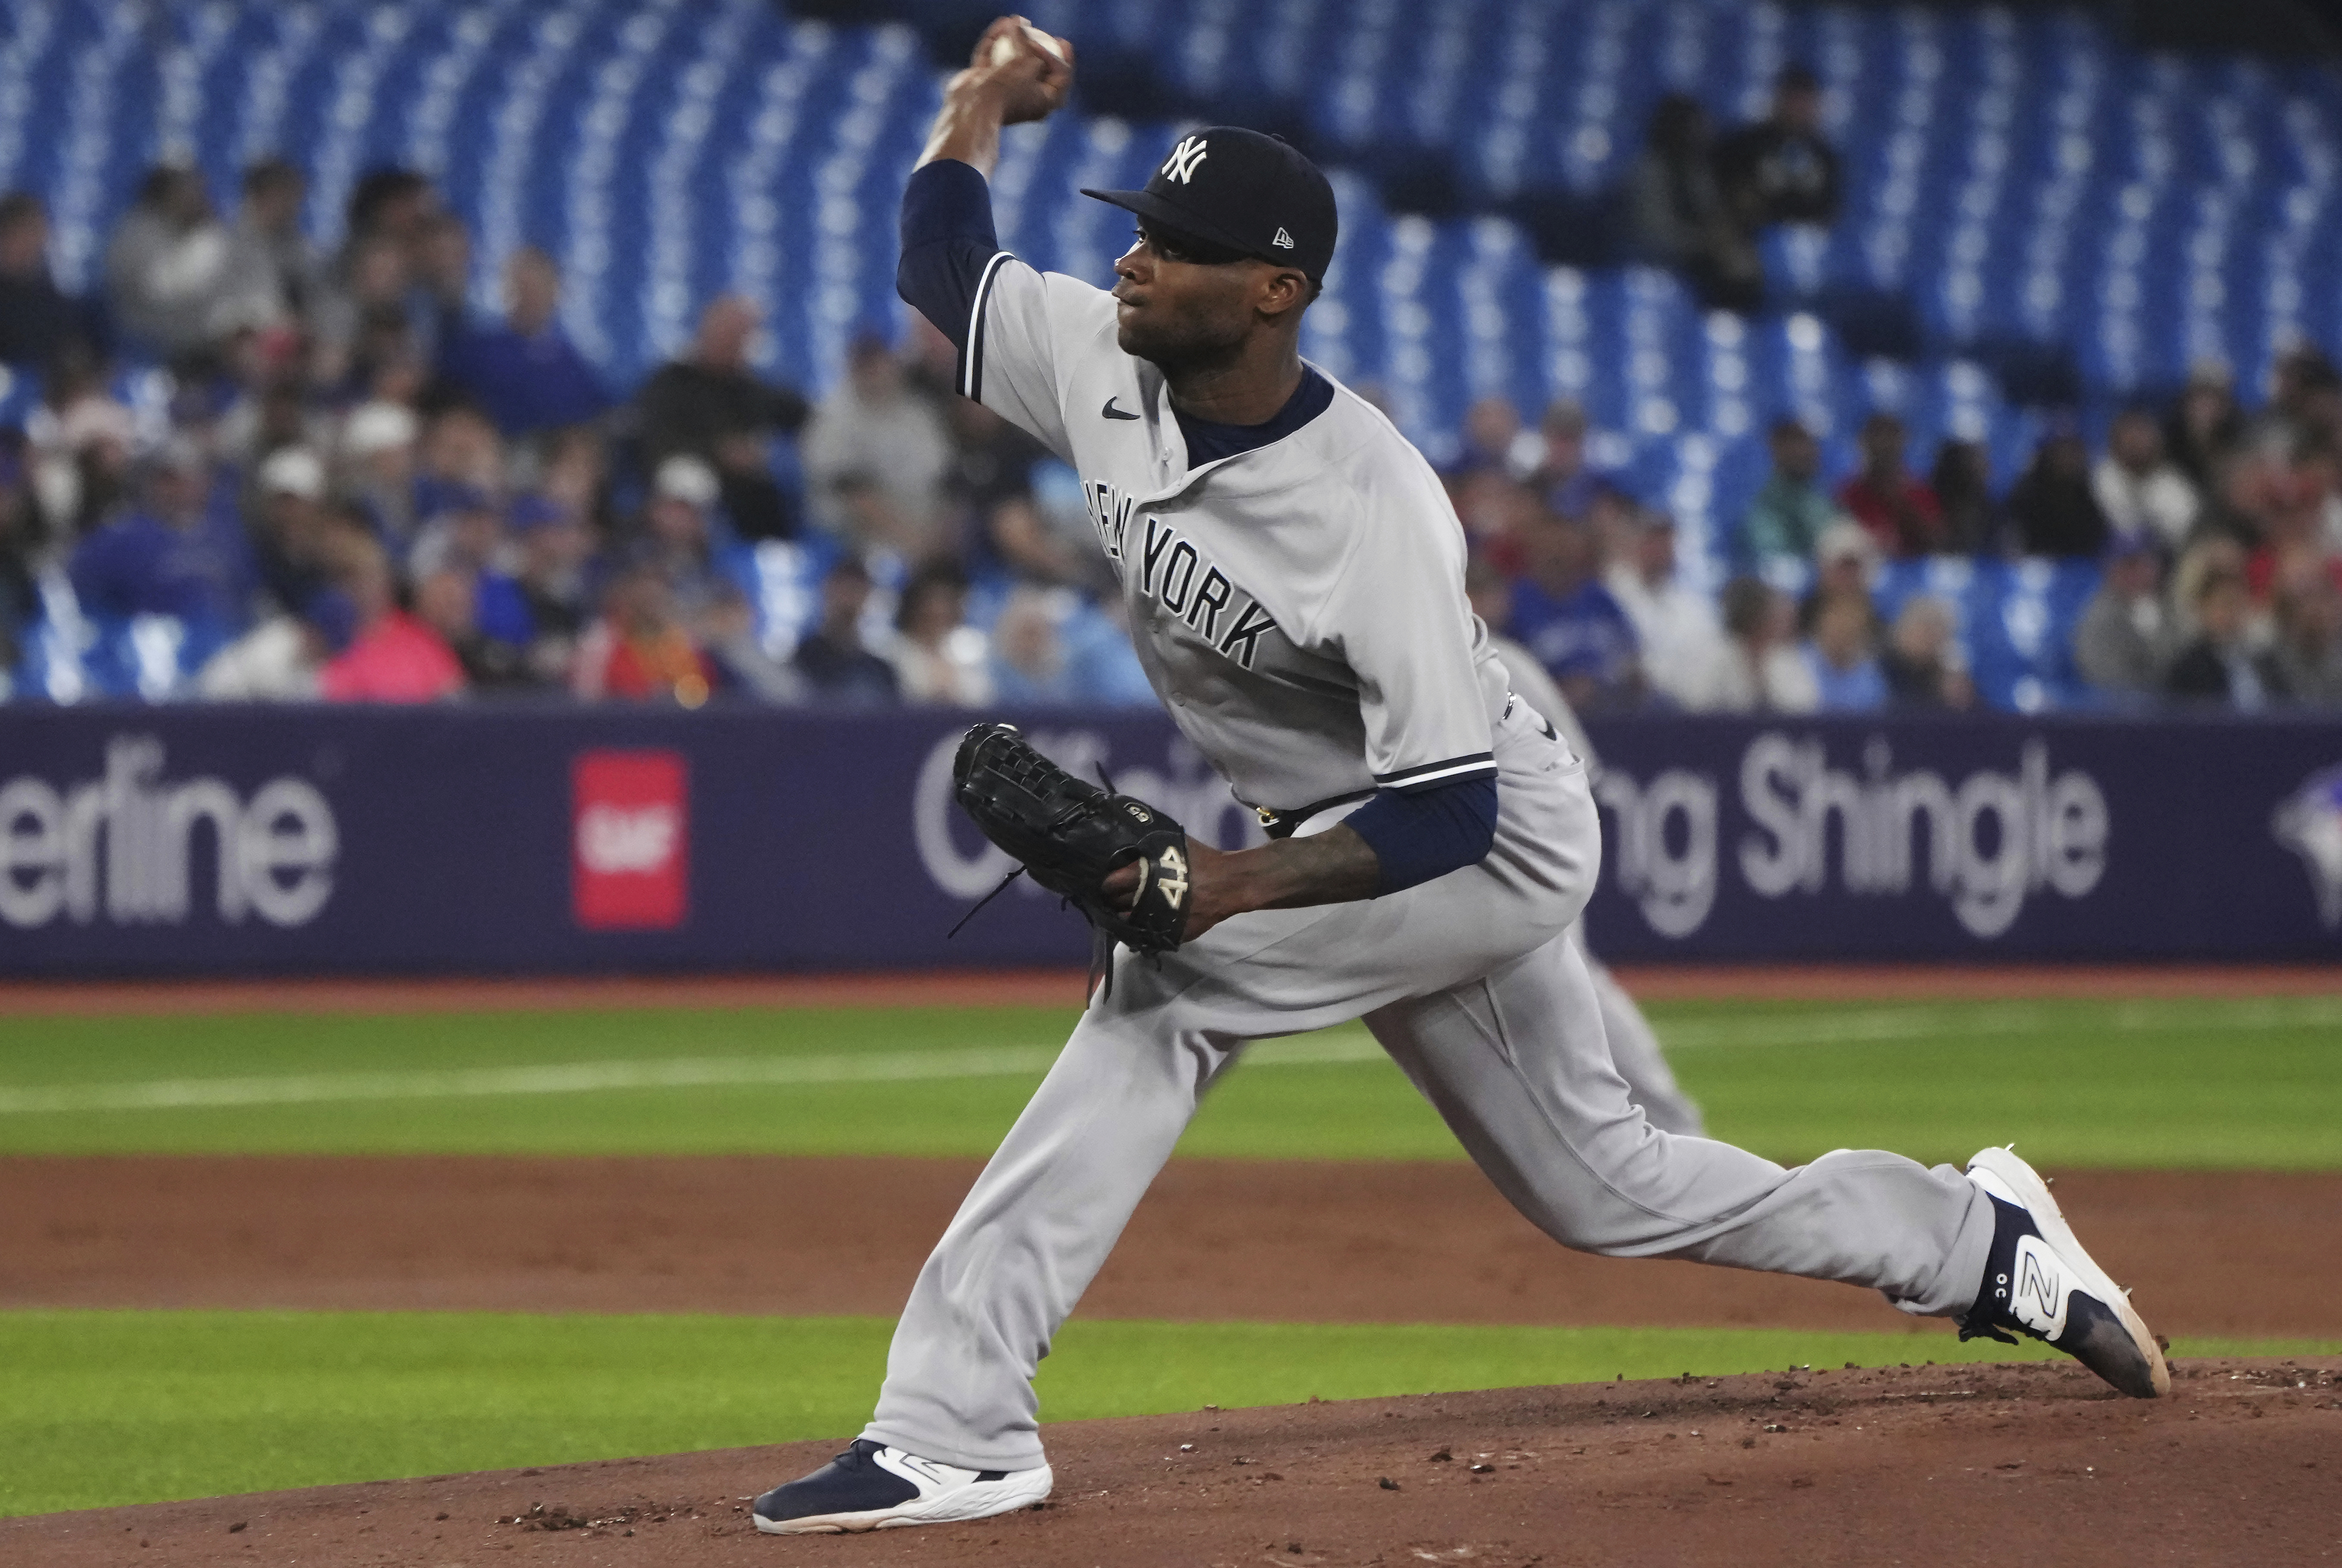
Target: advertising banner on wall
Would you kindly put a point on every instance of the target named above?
(1970, 839)
(187, 842)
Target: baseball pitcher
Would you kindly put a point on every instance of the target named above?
(1294, 579)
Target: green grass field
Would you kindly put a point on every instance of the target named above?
(242, 1402)
(2169, 1084)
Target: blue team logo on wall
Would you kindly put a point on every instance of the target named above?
(2310, 824)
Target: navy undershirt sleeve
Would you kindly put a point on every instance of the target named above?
(1427, 834)
(948, 236)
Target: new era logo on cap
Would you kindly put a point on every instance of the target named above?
(1244, 192)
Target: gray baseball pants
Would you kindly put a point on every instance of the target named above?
(1472, 985)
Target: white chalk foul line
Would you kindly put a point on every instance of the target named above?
(589, 1077)
(1879, 1025)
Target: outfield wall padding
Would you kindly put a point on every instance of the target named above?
(488, 840)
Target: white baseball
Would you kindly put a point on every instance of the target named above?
(1004, 49)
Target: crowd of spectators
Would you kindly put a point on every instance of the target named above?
(2219, 538)
(363, 488)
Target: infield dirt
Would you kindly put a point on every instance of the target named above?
(1945, 1466)
(2208, 1253)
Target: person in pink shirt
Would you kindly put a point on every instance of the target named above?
(393, 658)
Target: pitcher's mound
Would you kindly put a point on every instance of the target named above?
(1937, 1465)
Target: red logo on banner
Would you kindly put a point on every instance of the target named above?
(630, 840)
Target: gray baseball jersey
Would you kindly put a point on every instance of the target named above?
(1298, 607)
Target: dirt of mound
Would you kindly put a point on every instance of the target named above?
(1941, 1466)
(2208, 1254)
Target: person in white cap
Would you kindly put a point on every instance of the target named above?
(377, 465)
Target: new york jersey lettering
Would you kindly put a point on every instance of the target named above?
(1187, 583)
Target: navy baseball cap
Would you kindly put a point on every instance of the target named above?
(1243, 192)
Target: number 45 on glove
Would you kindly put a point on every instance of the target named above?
(1069, 835)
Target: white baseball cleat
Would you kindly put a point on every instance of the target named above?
(873, 1487)
(2039, 1282)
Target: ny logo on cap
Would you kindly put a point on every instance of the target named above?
(1181, 165)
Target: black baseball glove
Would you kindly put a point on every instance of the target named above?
(1070, 835)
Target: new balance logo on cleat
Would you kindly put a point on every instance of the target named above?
(2039, 1302)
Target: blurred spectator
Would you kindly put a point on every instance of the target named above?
(79, 443)
(273, 409)
(461, 454)
(279, 660)
(167, 266)
(2303, 387)
(376, 284)
(37, 317)
(1841, 651)
(466, 535)
(1490, 593)
(2127, 639)
(1105, 668)
(1974, 522)
(2203, 425)
(1781, 169)
(575, 476)
(875, 455)
(680, 535)
(1029, 668)
(1675, 624)
(1846, 560)
(21, 542)
(1901, 512)
(739, 661)
(1493, 438)
(447, 602)
(2300, 524)
(359, 320)
(1678, 218)
(1563, 476)
(2210, 555)
(711, 406)
(2220, 667)
(171, 554)
(273, 275)
(1563, 614)
(289, 527)
(2308, 651)
(392, 657)
(831, 657)
(1761, 668)
(524, 375)
(378, 457)
(1786, 520)
(640, 649)
(538, 604)
(2140, 492)
(439, 260)
(1921, 660)
(991, 478)
(2051, 504)
(939, 657)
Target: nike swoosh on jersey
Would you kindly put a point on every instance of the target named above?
(1111, 411)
